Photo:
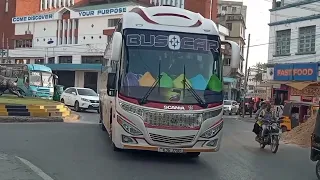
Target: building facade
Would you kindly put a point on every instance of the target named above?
(7, 12)
(294, 50)
(232, 15)
(291, 38)
(70, 36)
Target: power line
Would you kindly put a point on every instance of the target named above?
(262, 44)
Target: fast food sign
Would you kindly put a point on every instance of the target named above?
(296, 72)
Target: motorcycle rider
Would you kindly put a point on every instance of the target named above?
(266, 114)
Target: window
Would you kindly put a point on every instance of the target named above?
(76, 25)
(76, 39)
(251, 87)
(6, 6)
(234, 9)
(51, 60)
(224, 8)
(91, 59)
(226, 62)
(24, 43)
(307, 38)
(43, 4)
(229, 26)
(39, 61)
(113, 22)
(65, 59)
(283, 42)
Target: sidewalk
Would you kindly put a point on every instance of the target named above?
(12, 168)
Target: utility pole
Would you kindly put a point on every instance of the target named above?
(8, 60)
(2, 48)
(245, 79)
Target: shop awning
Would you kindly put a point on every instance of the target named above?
(294, 84)
(300, 85)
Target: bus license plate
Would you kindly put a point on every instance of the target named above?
(169, 150)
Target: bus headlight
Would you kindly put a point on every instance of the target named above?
(129, 128)
(211, 132)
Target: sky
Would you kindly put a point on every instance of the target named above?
(258, 17)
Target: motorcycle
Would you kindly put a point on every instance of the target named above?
(271, 136)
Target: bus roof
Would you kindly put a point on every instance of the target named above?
(38, 67)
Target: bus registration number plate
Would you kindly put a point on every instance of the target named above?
(169, 150)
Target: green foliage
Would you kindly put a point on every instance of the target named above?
(259, 69)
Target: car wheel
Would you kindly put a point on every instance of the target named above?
(76, 106)
(62, 100)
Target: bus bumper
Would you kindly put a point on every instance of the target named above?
(123, 140)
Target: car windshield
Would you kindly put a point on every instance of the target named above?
(87, 92)
(227, 102)
(47, 79)
(173, 56)
(35, 78)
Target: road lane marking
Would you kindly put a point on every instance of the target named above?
(35, 169)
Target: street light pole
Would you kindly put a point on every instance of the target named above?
(245, 79)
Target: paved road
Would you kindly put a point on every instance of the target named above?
(81, 151)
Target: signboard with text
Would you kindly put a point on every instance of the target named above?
(103, 12)
(296, 72)
(33, 18)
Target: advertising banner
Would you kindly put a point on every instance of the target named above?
(296, 72)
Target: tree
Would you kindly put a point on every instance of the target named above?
(259, 69)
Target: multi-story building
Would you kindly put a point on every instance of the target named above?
(232, 14)
(294, 49)
(7, 11)
(70, 36)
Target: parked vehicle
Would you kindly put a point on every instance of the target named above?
(271, 136)
(230, 107)
(34, 80)
(315, 144)
(295, 113)
(149, 104)
(58, 90)
(80, 98)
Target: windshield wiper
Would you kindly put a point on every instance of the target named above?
(191, 90)
(145, 97)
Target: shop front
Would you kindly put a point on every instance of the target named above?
(298, 82)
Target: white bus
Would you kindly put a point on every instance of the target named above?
(166, 91)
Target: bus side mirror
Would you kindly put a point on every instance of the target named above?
(235, 53)
(116, 46)
(111, 84)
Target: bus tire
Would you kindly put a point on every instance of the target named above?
(193, 154)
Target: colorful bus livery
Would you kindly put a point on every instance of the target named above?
(33, 79)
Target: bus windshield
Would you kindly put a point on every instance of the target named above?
(38, 78)
(173, 56)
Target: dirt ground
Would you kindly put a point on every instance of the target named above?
(300, 135)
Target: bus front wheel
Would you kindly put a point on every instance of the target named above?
(193, 154)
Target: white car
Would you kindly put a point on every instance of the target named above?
(80, 98)
(230, 106)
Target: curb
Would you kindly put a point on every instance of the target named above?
(28, 119)
(19, 119)
(58, 110)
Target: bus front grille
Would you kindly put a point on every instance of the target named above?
(171, 140)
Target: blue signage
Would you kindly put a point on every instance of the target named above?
(102, 12)
(32, 18)
(296, 72)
